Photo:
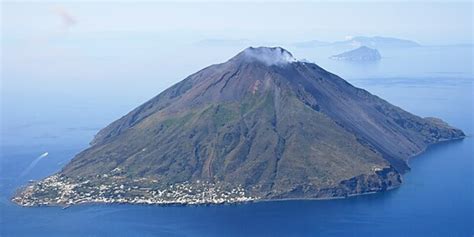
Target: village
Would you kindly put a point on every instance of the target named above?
(58, 190)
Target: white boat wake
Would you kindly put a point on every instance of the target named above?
(33, 164)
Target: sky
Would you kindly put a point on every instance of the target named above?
(36, 35)
(71, 41)
(426, 22)
(85, 56)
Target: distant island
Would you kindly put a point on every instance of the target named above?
(361, 54)
(358, 41)
(377, 42)
(261, 126)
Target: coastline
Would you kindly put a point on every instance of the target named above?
(211, 204)
(227, 202)
(433, 144)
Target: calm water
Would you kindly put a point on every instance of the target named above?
(436, 199)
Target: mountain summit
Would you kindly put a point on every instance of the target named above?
(268, 56)
(262, 125)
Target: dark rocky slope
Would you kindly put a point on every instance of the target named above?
(266, 122)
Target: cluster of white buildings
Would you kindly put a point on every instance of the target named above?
(57, 190)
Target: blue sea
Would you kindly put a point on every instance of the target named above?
(59, 111)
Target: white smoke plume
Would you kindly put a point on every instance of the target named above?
(270, 56)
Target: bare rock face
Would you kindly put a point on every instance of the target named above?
(264, 122)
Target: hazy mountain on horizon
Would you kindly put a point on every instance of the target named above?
(358, 41)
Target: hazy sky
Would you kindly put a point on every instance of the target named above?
(426, 22)
(108, 40)
(63, 61)
(92, 39)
